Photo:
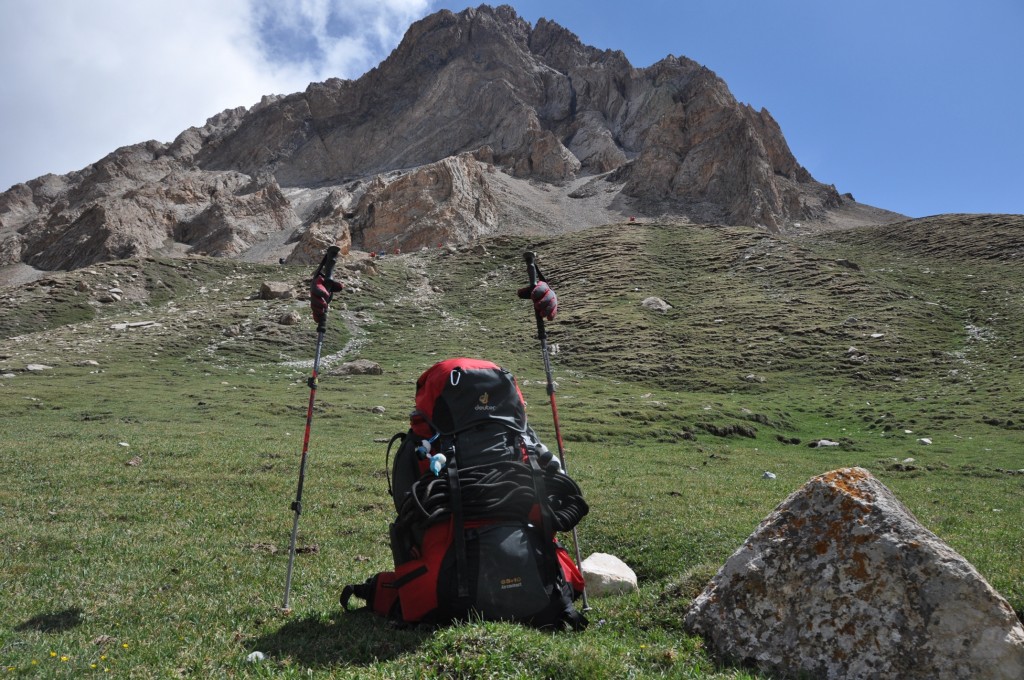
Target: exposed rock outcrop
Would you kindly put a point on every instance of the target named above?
(447, 201)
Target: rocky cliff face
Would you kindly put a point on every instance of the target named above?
(456, 134)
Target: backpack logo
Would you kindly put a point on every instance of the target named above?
(484, 400)
(514, 582)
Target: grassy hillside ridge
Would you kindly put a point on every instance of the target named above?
(962, 237)
(146, 503)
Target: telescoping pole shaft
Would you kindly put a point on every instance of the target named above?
(542, 335)
(327, 269)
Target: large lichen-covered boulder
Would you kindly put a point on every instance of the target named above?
(842, 581)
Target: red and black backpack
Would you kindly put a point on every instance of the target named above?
(479, 501)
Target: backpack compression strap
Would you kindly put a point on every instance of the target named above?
(459, 526)
(502, 490)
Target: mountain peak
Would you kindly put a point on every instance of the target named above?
(471, 120)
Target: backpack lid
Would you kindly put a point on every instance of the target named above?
(457, 394)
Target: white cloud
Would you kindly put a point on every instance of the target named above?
(79, 79)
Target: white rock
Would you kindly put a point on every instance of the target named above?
(35, 368)
(606, 574)
(256, 657)
(924, 440)
(656, 304)
(768, 475)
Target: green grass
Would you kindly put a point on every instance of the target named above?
(174, 567)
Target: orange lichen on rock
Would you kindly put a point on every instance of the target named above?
(859, 568)
(848, 481)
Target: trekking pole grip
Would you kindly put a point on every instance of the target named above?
(534, 276)
(329, 262)
(531, 266)
(326, 268)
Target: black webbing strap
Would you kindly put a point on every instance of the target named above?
(459, 528)
(387, 459)
(568, 613)
(548, 542)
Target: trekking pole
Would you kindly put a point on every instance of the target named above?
(327, 269)
(534, 275)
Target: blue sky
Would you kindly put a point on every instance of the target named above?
(910, 105)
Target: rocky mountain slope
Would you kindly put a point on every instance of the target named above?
(477, 124)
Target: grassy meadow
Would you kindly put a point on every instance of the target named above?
(148, 473)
